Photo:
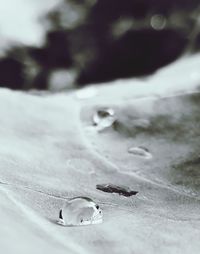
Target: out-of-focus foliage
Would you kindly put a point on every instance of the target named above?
(102, 40)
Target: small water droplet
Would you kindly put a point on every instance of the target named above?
(104, 118)
(140, 151)
(86, 93)
(80, 211)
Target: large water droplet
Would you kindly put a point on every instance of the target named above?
(80, 211)
(141, 152)
(104, 118)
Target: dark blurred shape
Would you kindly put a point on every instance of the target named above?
(55, 54)
(93, 41)
(11, 73)
(136, 53)
(197, 43)
(40, 81)
(107, 11)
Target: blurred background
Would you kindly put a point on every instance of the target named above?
(61, 44)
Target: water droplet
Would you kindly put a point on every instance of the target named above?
(86, 93)
(104, 118)
(140, 151)
(80, 211)
(158, 22)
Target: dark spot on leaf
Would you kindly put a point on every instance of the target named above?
(111, 188)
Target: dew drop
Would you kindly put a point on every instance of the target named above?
(104, 118)
(141, 152)
(80, 211)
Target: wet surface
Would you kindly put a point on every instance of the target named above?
(50, 152)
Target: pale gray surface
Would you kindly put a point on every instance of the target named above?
(50, 151)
